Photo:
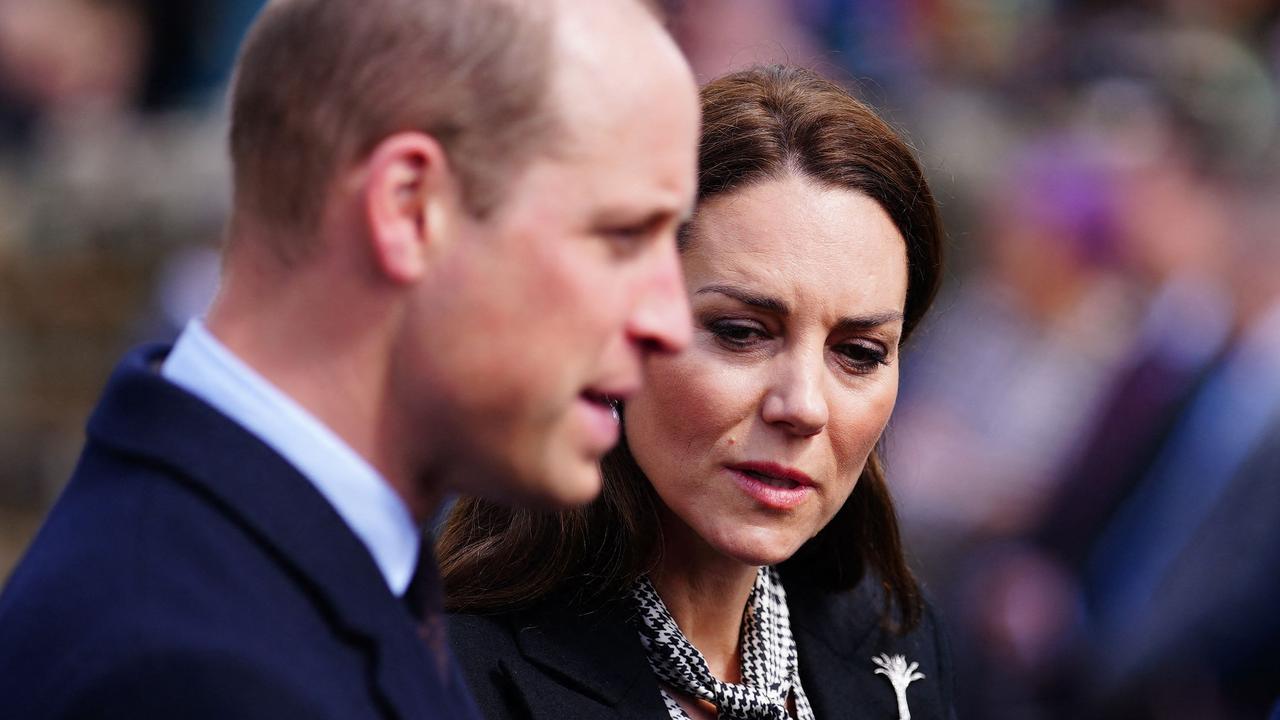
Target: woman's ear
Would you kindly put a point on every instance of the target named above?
(408, 185)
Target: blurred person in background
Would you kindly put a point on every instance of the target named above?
(1006, 383)
(1177, 109)
(1150, 592)
(99, 187)
(744, 559)
(1022, 596)
(66, 61)
(1181, 584)
(721, 35)
(1035, 334)
(453, 236)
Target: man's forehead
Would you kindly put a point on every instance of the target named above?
(617, 183)
(627, 111)
(613, 56)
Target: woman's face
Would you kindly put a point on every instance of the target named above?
(755, 436)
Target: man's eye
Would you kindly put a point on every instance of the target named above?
(632, 233)
(636, 230)
(625, 241)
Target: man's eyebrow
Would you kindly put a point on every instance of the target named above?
(748, 297)
(643, 215)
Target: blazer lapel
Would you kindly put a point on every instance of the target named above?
(838, 634)
(587, 663)
(828, 631)
(145, 416)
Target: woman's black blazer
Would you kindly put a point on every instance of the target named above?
(550, 662)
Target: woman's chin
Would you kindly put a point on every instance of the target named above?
(759, 551)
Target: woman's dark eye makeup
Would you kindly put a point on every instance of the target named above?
(741, 334)
(862, 356)
(736, 333)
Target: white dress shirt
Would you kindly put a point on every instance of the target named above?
(203, 366)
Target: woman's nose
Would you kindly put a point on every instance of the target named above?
(795, 399)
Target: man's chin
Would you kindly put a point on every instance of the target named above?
(570, 486)
(565, 485)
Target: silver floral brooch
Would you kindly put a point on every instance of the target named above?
(901, 675)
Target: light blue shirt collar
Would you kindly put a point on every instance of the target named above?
(205, 367)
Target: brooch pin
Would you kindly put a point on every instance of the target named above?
(901, 675)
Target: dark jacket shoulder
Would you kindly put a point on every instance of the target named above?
(552, 661)
(188, 570)
(840, 636)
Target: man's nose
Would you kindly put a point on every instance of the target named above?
(661, 320)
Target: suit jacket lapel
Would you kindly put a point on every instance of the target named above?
(594, 666)
(834, 634)
(144, 416)
(597, 656)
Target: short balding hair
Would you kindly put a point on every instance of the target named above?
(319, 83)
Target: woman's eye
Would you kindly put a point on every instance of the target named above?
(862, 358)
(736, 333)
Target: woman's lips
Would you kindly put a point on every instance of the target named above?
(772, 485)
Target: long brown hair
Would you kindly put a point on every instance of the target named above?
(758, 124)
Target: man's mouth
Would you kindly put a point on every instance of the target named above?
(596, 397)
(600, 419)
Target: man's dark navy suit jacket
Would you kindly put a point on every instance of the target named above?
(188, 571)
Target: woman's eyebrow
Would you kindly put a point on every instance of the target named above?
(854, 323)
(748, 297)
(870, 321)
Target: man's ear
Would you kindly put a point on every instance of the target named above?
(408, 187)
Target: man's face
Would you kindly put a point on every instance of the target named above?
(537, 315)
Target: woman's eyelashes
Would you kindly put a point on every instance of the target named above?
(862, 357)
(743, 335)
(736, 333)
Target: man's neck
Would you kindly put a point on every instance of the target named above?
(329, 351)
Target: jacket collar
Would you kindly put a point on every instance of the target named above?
(597, 654)
(832, 632)
(838, 634)
(144, 416)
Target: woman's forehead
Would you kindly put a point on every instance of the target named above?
(799, 240)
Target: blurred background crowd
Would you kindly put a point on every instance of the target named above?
(1086, 452)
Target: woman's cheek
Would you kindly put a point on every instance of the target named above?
(861, 426)
(700, 393)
